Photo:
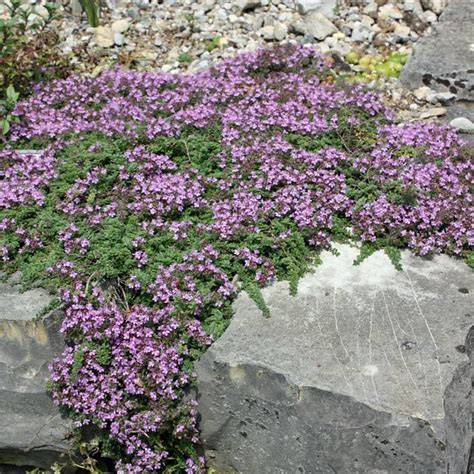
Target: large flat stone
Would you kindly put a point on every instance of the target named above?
(444, 60)
(21, 306)
(366, 370)
(32, 430)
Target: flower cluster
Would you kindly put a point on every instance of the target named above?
(124, 358)
(24, 175)
(161, 195)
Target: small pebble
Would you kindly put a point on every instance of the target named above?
(441, 97)
(119, 39)
(120, 26)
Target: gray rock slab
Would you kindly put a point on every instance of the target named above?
(365, 370)
(444, 60)
(32, 433)
(17, 305)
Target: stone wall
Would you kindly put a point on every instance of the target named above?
(33, 433)
(366, 370)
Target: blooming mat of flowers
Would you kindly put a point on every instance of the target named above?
(158, 196)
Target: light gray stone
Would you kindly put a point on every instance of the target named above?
(390, 12)
(267, 33)
(412, 6)
(324, 6)
(115, 4)
(104, 36)
(361, 32)
(429, 17)
(423, 92)
(119, 39)
(32, 430)
(133, 12)
(436, 6)
(433, 112)
(443, 60)
(442, 97)
(462, 124)
(158, 42)
(19, 306)
(416, 16)
(370, 8)
(365, 370)
(315, 24)
(76, 7)
(280, 30)
(120, 26)
(401, 33)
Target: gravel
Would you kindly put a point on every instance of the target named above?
(224, 28)
(152, 34)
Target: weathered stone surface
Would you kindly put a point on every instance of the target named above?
(366, 370)
(32, 431)
(462, 124)
(21, 306)
(120, 26)
(104, 36)
(314, 24)
(324, 6)
(444, 60)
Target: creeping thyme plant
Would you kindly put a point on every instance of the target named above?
(156, 197)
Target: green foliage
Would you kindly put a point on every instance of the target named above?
(395, 256)
(110, 259)
(28, 53)
(400, 195)
(6, 107)
(20, 18)
(352, 138)
(111, 254)
(102, 355)
(184, 58)
(78, 363)
(371, 68)
(55, 303)
(92, 9)
(213, 44)
(217, 320)
(366, 250)
(12, 95)
(314, 144)
(369, 248)
(254, 292)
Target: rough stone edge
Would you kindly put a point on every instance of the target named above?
(45, 455)
(459, 458)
